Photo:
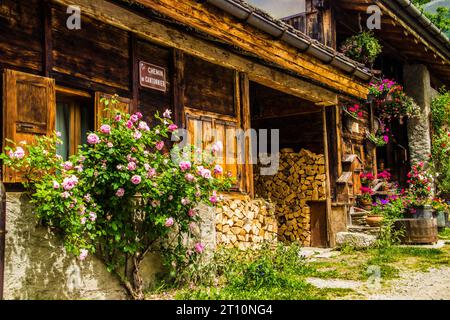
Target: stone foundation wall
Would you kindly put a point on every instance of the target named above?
(38, 267)
(301, 177)
(245, 223)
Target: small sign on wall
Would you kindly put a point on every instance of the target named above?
(152, 76)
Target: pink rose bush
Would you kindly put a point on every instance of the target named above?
(129, 194)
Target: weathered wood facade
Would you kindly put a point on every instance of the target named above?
(221, 73)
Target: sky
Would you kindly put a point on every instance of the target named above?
(279, 8)
(437, 3)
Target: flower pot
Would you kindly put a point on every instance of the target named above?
(365, 204)
(425, 212)
(442, 219)
(374, 221)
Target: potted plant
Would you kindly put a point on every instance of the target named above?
(391, 101)
(376, 216)
(384, 177)
(441, 212)
(419, 192)
(365, 199)
(366, 178)
(353, 113)
(362, 47)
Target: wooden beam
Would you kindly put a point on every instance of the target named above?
(330, 235)
(168, 36)
(220, 25)
(47, 52)
(178, 87)
(134, 73)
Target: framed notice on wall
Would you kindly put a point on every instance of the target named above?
(152, 76)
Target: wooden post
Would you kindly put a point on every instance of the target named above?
(246, 125)
(178, 87)
(2, 237)
(330, 236)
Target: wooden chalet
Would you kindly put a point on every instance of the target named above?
(218, 64)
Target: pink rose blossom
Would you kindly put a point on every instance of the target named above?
(69, 182)
(139, 115)
(105, 129)
(58, 134)
(205, 173)
(134, 118)
(129, 124)
(185, 165)
(65, 195)
(55, 185)
(189, 177)
(216, 147)
(199, 247)
(155, 203)
(93, 139)
(191, 213)
(147, 166)
(172, 127)
(120, 192)
(67, 165)
(110, 145)
(169, 222)
(118, 117)
(151, 173)
(160, 145)
(20, 153)
(119, 167)
(83, 254)
(137, 135)
(167, 114)
(185, 201)
(83, 220)
(136, 179)
(131, 166)
(143, 126)
(213, 199)
(218, 169)
(92, 216)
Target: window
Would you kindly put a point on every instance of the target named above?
(74, 118)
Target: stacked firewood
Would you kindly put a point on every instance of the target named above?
(301, 177)
(245, 223)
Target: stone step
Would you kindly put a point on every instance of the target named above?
(375, 231)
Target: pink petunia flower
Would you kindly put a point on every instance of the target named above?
(172, 127)
(129, 124)
(139, 115)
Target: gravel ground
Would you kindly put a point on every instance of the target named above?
(431, 285)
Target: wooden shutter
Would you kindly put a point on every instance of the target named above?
(123, 105)
(205, 128)
(28, 110)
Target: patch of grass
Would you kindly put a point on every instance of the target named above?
(445, 234)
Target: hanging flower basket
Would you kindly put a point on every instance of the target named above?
(392, 102)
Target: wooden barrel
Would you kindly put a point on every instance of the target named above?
(420, 231)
